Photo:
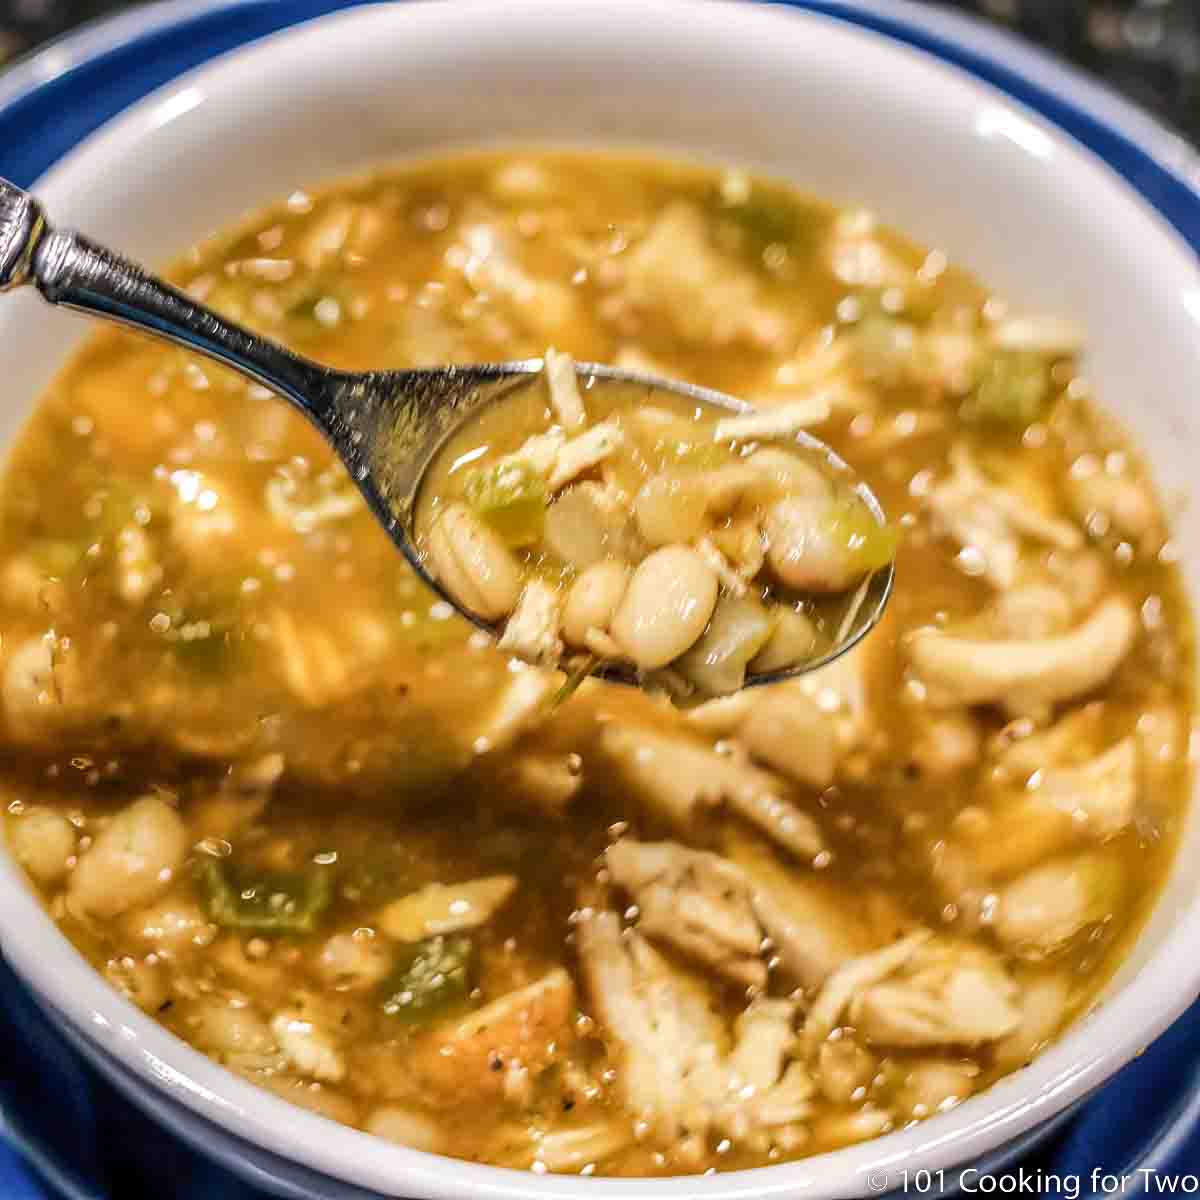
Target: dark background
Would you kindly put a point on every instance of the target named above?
(1148, 49)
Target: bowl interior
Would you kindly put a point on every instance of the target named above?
(947, 160)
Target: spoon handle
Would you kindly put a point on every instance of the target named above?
(70, 270)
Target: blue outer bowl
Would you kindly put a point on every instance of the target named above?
(64, 1106)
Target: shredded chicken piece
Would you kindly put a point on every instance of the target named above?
(675, 1072)
(1057, 807)
(697, 902)
(704, 295)
(564, 390)
(531, 632)
(786, 729)
(1024, 676)
(990, 521)
(571, 1149)
(499, 1045)
(679, 778)
(764, 1089)
(1043, 1002)
(538, 453)
(841, 987)
(487, 252)
(1122, 503)
(1019, 750)
(668, 1034)
(766, 1034)
(584, 452)
(803, 728)
(522, 705)
(946, 995)
(781, 421)
(1042, 910)
(1032, 610)
(559, 459)
(808, 921)
(1100, 794)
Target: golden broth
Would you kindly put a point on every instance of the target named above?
(197, 608)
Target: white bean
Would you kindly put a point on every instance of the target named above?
(42, 841)
(777, 422)
(473, 564)
(665, 608)
(801, 549)
(171, 925)
(593, 599)
(131, 862)
(671, 507)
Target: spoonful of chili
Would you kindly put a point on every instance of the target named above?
(592, 518)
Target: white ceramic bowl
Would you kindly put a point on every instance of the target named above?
(843, 113)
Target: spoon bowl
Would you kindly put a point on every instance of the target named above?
(437, 402)
(386, 426)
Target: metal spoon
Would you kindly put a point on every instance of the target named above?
(385, 426)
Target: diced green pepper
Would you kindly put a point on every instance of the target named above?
(431, 978)
(1013, 389)
(770, 216)
(268, 902)
(511, 498)
(853, 528)
(204, 636)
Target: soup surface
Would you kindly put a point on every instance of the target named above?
(299, 811)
